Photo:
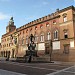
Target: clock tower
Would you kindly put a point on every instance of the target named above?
(10, 26)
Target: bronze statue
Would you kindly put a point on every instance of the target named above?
(31, 48)
(31, 37)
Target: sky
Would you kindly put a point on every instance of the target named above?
(24, 11)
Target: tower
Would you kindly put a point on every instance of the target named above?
(10, 26)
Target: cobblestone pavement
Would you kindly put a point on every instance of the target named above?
(14, 68)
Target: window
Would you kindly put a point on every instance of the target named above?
(56, 35)
(26, 39)
(36, 28)
(26, 30)
(47, 24)
(23, 32)
(42, 38)
(36, 38)
(41, 26)
(7, 45)
(15, 40)
(7, 39)
(22, 41)
(54, 21)
(65, 35)
(9, 29)
(31, 29)
(65, 18)
(48, 36)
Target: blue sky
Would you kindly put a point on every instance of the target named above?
(25, 11)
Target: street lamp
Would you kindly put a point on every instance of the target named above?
(50, 51)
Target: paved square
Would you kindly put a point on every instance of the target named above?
(4, 72)
(72, 69)
(14, 68)
(64, 73)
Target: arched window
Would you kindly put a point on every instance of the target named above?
(35, 27)
(15, 40)
(30, 29)
(7, 45)
(48, 36)
(64, 17)
(36, 38)
(23, 32)
(54, 21)
(26, 39)
(27, 31)
(56, 35)
(42, 37)
(47, 24)
(23, 41)
(41, 26)
(65, 35)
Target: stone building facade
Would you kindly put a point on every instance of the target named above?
(57, 28)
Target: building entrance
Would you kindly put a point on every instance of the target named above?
(66, 48)
(47, 47)
(47, 50)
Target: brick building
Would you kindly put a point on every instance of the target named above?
(57, 28)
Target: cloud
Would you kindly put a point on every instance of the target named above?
(3, 16)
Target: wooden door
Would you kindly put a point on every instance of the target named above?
(66, 49)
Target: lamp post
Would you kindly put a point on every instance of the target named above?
(50, 51)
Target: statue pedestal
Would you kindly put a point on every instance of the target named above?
(31, 52)
(29, 55)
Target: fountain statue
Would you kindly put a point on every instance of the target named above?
(31, 48)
